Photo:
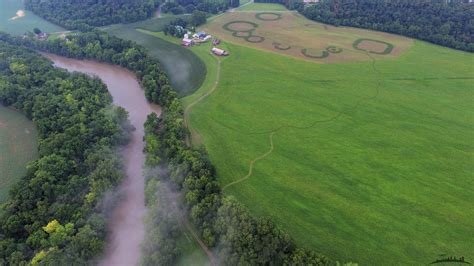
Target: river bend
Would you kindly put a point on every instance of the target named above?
(126, 225)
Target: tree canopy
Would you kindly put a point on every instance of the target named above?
(53, 215)
(448, 24)
(78, 14)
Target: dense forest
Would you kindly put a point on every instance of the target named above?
(53, 214)
(189, 6)
(450, 25)
(222, 223)
(81, 14)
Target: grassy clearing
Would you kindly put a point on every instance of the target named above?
(369, 162)
(20, 25)
(270, 31)
(185, 70)
(262, 7)
(18, 146)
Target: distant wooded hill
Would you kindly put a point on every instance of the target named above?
(447, 23)
(81, 14)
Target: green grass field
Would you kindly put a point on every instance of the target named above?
(185, 70)
(369, 162)
(20, 25)
(18, 146)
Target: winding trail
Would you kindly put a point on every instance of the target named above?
(252, 163)
(202, 97)
(330, 119)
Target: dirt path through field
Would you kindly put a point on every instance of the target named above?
(126, 225)
(252, 164)
(334, 117)
(194, 134)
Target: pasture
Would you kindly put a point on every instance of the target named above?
(368, 161)
(185, 70)
(18, 146)
(14, 19)
(290, 34)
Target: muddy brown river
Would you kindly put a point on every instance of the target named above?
(126, 225)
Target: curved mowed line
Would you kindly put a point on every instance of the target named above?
(387, 50)
(204, 96)
(252, 163)
(336, 116)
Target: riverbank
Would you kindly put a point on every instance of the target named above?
(126, 223)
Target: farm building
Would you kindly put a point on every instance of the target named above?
(42, 36)
(219, 52)
(201, 36)
(187, 42)
(310, 1)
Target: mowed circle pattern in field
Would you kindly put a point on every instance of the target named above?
(298, 37)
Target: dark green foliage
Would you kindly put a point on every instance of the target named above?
(208, 6)
(434, 21)
(387, 50)
(100, 46)
(176, 28)
(198, 18)
(79, 14)
(163, 230)
(77, 163)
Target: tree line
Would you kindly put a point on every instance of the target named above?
(179, 26)
(222, 223)
(189, 6)
(53, 214)
(82, 14)
(447, 24)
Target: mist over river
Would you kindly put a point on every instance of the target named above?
(126, 225)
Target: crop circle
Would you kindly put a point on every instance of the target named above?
(254, 39)
(280, 46)
(240, 26)
(268, 16)
(334, 49)
(310, 53)
(242, 34)
(388, 46)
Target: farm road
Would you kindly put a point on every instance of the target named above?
(202, 97)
